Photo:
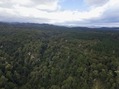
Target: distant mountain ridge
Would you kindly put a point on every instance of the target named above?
(51, 26)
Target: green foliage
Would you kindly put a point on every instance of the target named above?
(47, 57)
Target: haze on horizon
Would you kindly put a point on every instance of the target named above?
(62, 12)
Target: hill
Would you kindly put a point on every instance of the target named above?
(42, 56)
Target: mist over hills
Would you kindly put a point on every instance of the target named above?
(51, 26)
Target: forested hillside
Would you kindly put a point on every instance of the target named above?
(51, 57)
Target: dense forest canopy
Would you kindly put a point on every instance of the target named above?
(34, 56)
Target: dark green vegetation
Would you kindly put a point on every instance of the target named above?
(51, 57)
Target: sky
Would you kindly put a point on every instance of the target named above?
(102, 13)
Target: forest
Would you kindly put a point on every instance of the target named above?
(42, 56)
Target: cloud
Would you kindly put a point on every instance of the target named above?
(39, 4)
(48, 11)
(110, 16)
(96, 2)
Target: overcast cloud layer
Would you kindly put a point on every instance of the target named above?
(100, 13)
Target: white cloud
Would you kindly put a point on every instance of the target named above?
(39, 4)
(110, 15)
(48, 11)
